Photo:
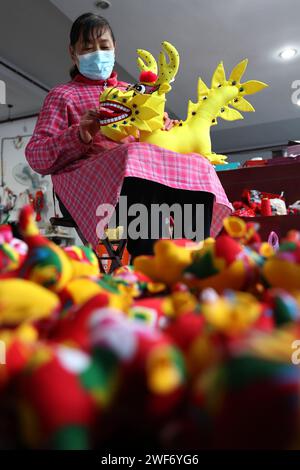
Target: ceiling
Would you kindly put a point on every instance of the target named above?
(27, 42)
(35, 40)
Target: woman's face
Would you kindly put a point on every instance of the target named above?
(97, 42)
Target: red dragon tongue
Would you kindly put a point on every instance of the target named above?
(105, 113)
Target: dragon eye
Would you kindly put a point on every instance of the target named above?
(140, 88)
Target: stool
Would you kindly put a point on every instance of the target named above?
(114, 248)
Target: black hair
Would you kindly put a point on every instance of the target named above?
(86, 24)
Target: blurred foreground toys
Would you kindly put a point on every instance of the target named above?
(194, 347)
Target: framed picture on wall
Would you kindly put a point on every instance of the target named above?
(26, 185)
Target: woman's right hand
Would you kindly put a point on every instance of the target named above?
(89, 125)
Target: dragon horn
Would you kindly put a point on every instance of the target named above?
(168, 71)
(146, 61)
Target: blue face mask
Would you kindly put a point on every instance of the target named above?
(97, 65)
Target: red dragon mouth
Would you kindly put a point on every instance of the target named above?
(113, 112)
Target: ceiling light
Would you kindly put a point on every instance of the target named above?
(288, 53)
(298, 103)
(102, 4)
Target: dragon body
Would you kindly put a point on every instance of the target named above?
(139, 110)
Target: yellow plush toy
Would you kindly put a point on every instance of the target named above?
(23, 300)
(232, 313)
(80, 290)
(169, 261)
(139, 110)
(83, 260)
(283, 268)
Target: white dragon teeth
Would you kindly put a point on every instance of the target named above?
(114, 105)
(109, 121)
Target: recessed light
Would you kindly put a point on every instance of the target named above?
(298, 102)
(288, 53)
(102, 4)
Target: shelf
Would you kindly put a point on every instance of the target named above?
(270, 178)
(280, 224)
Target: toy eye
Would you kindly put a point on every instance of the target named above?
(140, 88)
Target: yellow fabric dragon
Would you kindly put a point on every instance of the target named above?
(139, 110)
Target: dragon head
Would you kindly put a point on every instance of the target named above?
(141, 106)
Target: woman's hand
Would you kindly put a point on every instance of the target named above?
(89, 125)
(169, 123)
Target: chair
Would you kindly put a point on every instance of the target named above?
(114, 248)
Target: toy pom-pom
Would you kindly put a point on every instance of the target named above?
(26, 222)
(148, 76)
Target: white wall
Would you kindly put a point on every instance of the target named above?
(12, 156)
(13, 128)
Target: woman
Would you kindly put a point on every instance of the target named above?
(89, 170)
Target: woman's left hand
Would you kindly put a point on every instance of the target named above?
(169, 123)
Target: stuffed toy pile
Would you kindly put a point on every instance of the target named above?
(255, 203)
(194, 347)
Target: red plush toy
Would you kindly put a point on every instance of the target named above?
(62, 393)
(153, 368)
(74, 327)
